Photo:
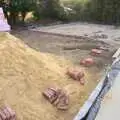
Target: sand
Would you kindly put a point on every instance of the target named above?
(25, 73)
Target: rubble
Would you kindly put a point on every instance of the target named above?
(87, 62)
(96, 52)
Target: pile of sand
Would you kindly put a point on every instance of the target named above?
(25, 73)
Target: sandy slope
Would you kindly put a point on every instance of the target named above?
(25, 73)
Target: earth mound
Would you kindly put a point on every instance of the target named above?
(25, 73)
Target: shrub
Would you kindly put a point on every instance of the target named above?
(103, 11)
(48, 9)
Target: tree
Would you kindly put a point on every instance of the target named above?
(25, 6)
(50, 8)
(13, 8)
(107, 11)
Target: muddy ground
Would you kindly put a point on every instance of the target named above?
(107, 33)
(70, 48)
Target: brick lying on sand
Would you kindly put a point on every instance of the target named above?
(87, 62)
(50, 94)
(7, 113)
(76, 74)
(96, 52)
(57, 97)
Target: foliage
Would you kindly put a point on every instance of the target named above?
(80, 8)
(14, 8)
(103, 11)
(48, 9)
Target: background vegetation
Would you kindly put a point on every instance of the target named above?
(100, 11)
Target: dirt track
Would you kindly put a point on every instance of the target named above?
(106, 33)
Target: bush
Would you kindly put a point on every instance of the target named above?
(52, 9)
(48, 9)
(80, 8)
(102, 11)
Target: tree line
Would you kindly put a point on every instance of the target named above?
(102, 11)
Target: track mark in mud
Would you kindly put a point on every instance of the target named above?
(81, 47)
